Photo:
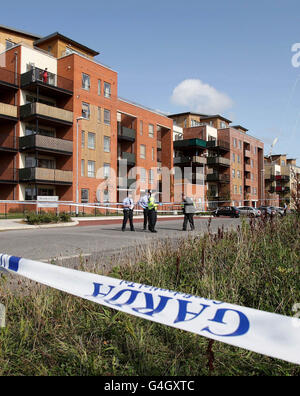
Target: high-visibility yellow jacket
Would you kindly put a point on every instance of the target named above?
(152, 204)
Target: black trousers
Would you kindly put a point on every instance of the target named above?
(146, 212)
(128, 214)
(152, 218)
(188, 217)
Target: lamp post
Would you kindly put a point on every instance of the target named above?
(77, 165)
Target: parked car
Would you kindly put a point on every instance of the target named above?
(249, 211)
(230, 211)
(278, 210)
(267, 211)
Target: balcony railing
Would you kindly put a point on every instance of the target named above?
(127, 134)
(129, 157)
(47, 112)
(9, 78)
(217, 177)
(125, 183)
(218, 161)
(51, 80)
(247, 153)
(8, 111)
(51, 176)
(46, 143)
(282, 178)
(248, 168)
(8, 143)
(247, 181)
(9, 175)
(218, 144)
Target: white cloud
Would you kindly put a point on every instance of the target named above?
(200, 97)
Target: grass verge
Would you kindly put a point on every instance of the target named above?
(52, 333)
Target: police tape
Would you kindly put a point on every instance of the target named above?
(262, 332)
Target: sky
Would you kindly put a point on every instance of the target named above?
(232, 57)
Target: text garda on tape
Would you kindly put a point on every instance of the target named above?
(267, 333)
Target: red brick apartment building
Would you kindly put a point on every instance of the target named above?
(63, 130)
(67, 127)
(232, 160)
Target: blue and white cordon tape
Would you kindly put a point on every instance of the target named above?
(267, 333)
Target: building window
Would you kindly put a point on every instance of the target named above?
(84, 195)
(235, 189)
(233, 173)
(239, 159)
(106, 171)
(91, 141)
(151, 130)
(152, 153)
(143, 151)
(99, 87)
(283, 163)
(105, 196)
(106, 144)
(85, 111)
(239, 174)
(255, 148)
(141, 128)
(223, 125)
(234, 142)
(106, 116)
(241, 190)
(91, 168)
(99, 114)
(254, 190)
(82, 139)
(233, 157)
(107, 90)
(9, 44)
(82, 168)
(252, 163)
(252, 176)
(240, 144)
(151, 176)
(143, 175)
(86, 81)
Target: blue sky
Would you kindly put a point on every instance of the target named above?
(239, 50)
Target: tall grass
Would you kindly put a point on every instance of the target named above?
(52, 333)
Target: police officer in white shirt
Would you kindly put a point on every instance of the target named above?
(143, 202)
(128, 206)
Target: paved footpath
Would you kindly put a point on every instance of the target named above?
(96, 237)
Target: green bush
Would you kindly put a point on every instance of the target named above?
(33, 218)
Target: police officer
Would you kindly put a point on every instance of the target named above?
(143, 202)
(189, 211)
(128, 206)
(152, 212)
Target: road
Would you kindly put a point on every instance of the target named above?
(67, 242)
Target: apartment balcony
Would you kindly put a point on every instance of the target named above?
(52, 115)
(8, 112)
(282, 178)
(9, 176)
(9, 80)
(124, 183)
(52, 85)
(185, 160)
(217, 178)
(8, 144)
(46, 176)
(45, 144)
(129, 157)
(189, 143)
(218, 145)
(248, 182)
(126, 134)
(247, 154)
(248, 168)
(218, 161)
